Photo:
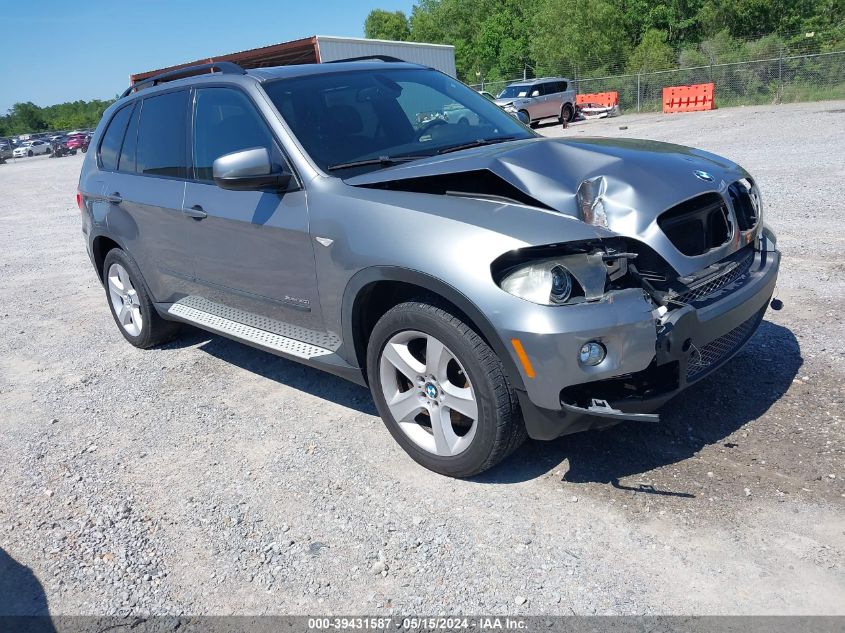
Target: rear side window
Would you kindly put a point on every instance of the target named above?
(130, 142)
(225, 121)
(551, 87)
(162, 136)
(113, 138)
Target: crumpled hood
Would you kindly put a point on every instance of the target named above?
(642, 178)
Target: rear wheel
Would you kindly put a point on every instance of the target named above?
(567, 113)
(131, 305)
(441, 391)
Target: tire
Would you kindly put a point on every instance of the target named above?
(467, 366)
(84, 149)
(530, 122)
(30, 154)
(567, 113)
(145, 328)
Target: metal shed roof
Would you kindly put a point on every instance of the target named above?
(317, 48)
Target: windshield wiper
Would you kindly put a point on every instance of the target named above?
(479, 143)
(381, 160)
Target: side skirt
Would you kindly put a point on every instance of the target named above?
(272, 342)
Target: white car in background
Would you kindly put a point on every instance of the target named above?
(456, 113)
(31, 148)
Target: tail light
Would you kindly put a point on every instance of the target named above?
(79, 199)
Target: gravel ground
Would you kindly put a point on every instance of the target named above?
(209, 478)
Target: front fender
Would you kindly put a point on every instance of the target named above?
(367, 276)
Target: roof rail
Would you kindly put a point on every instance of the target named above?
(226, 68)
(383, 58)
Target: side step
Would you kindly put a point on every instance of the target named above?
(247, 333)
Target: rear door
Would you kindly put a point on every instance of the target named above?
(551, 95)
(251, 249)
(144, 158)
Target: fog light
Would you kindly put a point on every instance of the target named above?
(592, 353)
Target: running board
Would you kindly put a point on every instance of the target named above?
(246, 333)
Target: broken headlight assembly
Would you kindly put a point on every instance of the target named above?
(561, 279)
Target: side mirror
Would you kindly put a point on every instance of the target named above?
(523, 117)
(247, 170)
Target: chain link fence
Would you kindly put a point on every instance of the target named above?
(781, 79)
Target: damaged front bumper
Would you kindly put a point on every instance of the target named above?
(651, 355)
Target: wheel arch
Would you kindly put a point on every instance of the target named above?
(400, 284)
(100, 247)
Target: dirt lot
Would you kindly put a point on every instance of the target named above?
(206, 477)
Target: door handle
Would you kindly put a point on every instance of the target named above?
(195, 212)
(114, 198)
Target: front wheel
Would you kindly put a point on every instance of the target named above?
(84, 149)
(442, 391)
(30, 153)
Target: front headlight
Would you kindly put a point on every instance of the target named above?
(559, 280)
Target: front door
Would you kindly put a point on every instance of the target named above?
(251, 249)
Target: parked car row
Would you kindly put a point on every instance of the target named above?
(43, 144)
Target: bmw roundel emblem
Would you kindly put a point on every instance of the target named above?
(703, 175)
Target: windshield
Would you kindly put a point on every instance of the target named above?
(512, 92)
(385, 115)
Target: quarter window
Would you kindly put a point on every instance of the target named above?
(162, 136)
(130, 143)
(225, 121)
(550, 88)
(113, 138)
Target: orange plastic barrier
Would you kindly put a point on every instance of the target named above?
(606, 99)
(688, 98)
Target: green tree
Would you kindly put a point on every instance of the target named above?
(678, 19)
(578, 37)
(652, 53)
(27, 117)
(386, 25)
(587, 38)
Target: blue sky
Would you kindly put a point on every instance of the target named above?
(53, 51)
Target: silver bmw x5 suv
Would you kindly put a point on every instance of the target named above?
(486, 283)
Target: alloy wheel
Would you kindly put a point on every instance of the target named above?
(124, 300)
(428, 393)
